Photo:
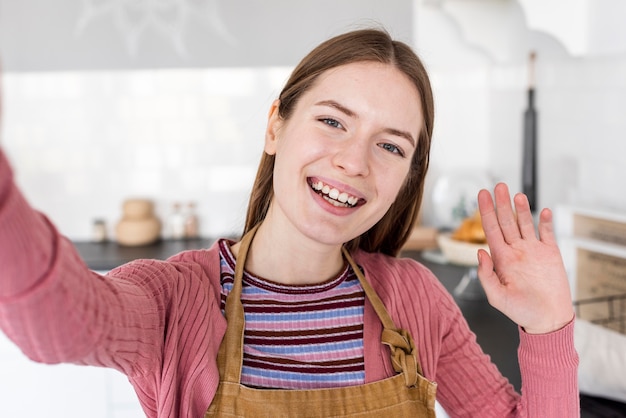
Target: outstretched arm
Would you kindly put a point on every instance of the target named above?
(524, 276)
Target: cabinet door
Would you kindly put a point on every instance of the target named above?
(61, 391)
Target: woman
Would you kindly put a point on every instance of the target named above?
(331, 329)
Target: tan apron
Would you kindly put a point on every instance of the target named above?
(407, 394)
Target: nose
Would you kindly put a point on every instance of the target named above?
(352, 156)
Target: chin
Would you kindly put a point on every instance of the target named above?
(326, 235)
(330, 235)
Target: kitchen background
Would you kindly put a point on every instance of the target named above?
(110, 99)
(168, 100)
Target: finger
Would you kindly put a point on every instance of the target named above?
(506, 216)
(546, 227)
(487, 276)
(489, 219)
(525, 220)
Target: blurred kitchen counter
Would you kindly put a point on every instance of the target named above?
(104, 256)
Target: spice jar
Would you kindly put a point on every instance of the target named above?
(191, 222)
(99, 230)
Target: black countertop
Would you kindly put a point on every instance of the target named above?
(497, 335)
(104, 256)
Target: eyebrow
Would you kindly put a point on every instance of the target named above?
(350, 113)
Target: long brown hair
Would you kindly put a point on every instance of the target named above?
(391, 232)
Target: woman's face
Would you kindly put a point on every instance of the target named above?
(344, 153)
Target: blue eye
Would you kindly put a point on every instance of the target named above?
(392, 148)
(331, 122)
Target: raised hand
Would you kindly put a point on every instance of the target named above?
(524, 277)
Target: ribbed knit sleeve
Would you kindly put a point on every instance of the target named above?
(468, 383)
(159, 322)
(51, 305)
(27, 243)
(549, 367)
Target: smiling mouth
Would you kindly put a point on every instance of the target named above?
(333, 196)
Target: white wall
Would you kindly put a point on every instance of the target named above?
(82, 142)
(477, 55)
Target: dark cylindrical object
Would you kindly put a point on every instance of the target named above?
(529, 162)
(529, 158)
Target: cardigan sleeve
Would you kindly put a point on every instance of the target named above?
(468, 382)
(471, 385)
(549, 369)
(57, 310)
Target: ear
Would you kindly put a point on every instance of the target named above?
(274, 123)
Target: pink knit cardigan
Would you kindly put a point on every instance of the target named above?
(159, 322)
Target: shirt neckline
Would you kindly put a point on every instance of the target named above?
(268, 284)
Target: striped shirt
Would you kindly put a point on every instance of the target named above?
(299, 336)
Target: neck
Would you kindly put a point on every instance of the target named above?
(291, 258)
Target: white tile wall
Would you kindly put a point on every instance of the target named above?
(583, 137)
(82, 142)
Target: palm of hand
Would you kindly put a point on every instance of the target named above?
(524, 277)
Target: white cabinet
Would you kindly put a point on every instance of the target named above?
(29, 389)
(585, 28)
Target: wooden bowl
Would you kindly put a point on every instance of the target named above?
(459, 252)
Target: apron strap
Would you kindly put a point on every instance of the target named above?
(235, 316)
(403, 350)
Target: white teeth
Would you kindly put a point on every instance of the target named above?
(334, 196)
(336, 203)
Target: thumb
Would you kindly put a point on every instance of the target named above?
(487, 276)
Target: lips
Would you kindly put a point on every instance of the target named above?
(333, 195)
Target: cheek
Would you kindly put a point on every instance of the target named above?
(291, 160)
(398, 177)
(300, 150)
(388, 195)
(282, 171)
(394, 186)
